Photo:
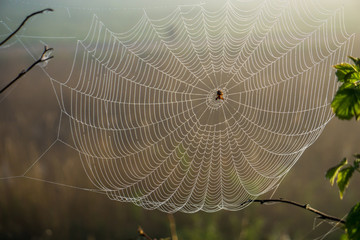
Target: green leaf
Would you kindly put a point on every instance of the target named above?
(356, 61)
(352, 224)
(352, 77)
(343, 70)
(346, 103)
(357, 163)
(347, 85)
(344, 237)
(344, 66)
(333, 172)
(343, 179)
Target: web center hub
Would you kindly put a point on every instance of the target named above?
(216, 98)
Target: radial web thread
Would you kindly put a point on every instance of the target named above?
(143, 111)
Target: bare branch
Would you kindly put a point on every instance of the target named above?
(321, 215)
(23, 22)
(45, 56)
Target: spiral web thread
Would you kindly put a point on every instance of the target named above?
(143, 111)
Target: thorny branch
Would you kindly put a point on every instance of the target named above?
(321, 215)
(23, 22)
(45, 56)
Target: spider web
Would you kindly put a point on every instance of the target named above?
(142, 110)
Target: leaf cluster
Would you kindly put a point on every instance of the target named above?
(346, 103)
(342, 173)
(352, 224)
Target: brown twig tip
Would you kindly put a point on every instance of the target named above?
(48, 9)
(140, 231)
(143, 234)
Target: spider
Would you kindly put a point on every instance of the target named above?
(219, 95)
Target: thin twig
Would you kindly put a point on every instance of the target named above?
(304, 206)
(43, 58)
(143, 234)
(23, 22)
